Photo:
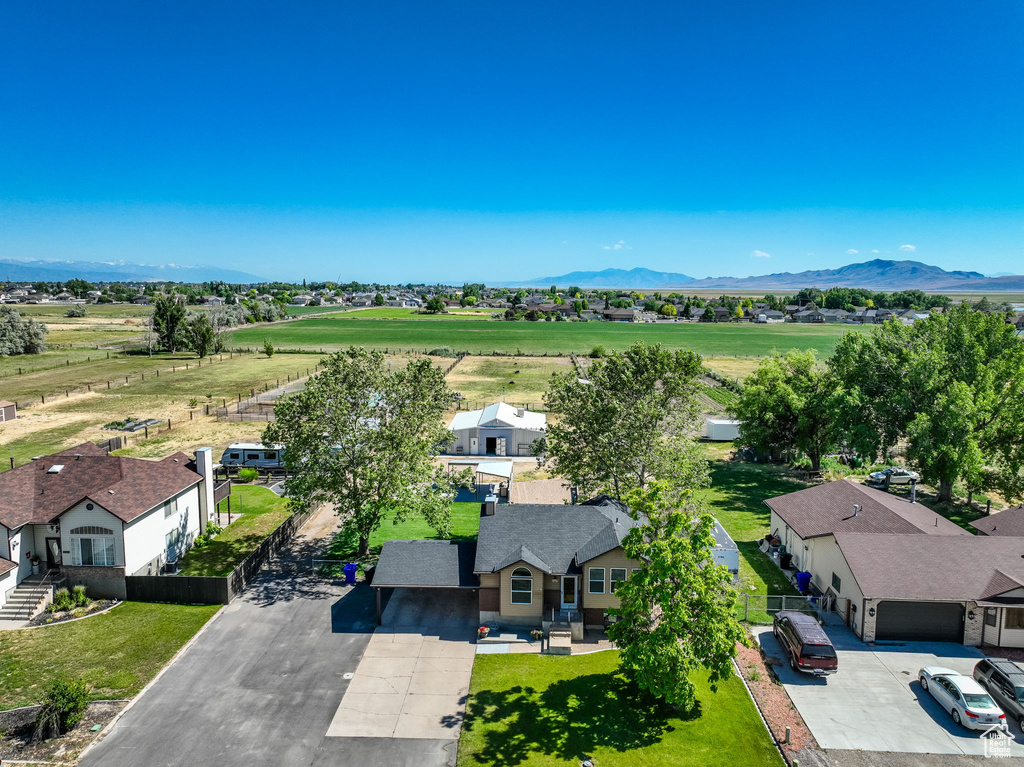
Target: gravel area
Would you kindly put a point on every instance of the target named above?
(16, 745)
(541, 491)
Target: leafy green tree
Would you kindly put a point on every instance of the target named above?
(79, 288)
(628, 424)
(170, 319)
(363, 438)
(677, 613)
(200, 334)
(20, 335)
(268, 347)
(788, 404)
(951, 387)
(378, 300)
(436, 306)
(668, 310)
(78, 310)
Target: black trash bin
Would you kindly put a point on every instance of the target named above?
(350, 572)
(786, 560)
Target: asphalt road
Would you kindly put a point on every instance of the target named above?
(261, 685)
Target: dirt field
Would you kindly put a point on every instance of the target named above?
(734, 367)
(519, 380)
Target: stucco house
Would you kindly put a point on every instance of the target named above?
(497, 429)
(94, 518)
(896, 570)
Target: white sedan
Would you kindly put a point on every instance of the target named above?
(964, 699)
(896, 475)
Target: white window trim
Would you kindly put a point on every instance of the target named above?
(591, 580)
(612, 581)
(76, 549)
(512, 591)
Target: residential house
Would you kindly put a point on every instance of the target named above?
(895, 570)
(300, 301)
(362, 301)
(620, 315)
(497, 429)
(532, 563)
(1008, 522)
(94, 517)
(769, 316)
(212, 300)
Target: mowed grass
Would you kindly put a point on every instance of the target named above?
(522, 380)
(558, 338)
(465, 524)
(45, 312)
(117, 653)
(396, 313)
(548, 711)
(262, 510)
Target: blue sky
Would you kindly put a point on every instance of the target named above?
(486, 141)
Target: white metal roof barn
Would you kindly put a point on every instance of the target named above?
(498, 429)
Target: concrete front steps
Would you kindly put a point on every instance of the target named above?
(26, 601)
(501, 639)
(559, 639)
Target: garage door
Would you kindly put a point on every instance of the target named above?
(920, 621)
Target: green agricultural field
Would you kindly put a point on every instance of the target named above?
(557, 338)
(46, 312)
(395, 313)
(519, 380)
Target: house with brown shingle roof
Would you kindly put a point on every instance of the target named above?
(95, 518)
(896, 570)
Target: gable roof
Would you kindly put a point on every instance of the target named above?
(6, 565)
(828, 508)
(924, 566)
(126, 487)
(500, 414)
(1008, 522)
(437, 564)
(551, 537)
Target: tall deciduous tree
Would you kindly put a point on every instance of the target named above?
(362, 437)
(630, 422)
(170, 318)
(677, 613)
(200, 333)
(951, 387)
(20, 335)
(788, 403)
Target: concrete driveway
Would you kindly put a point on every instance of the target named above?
(875, 703)
(413, 679)
(260, 687)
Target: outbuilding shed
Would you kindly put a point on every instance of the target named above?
(498, 429)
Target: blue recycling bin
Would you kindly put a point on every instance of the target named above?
(803, 582)
(350, 572)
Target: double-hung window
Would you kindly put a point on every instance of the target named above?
(522, 586)
(617, 575)
(596, 581)
(92, 546)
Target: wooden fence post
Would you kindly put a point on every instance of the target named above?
(168, 424)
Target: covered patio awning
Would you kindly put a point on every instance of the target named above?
(425, 565)
(491, 468)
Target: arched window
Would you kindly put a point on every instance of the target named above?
(522, 586)
(92, 546)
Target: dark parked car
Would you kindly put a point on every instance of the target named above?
(805, 642)
(1004, 681)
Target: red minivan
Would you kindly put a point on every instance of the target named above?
(805, 642)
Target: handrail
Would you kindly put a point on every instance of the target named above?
(38, 592)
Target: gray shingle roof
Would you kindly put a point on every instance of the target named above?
(555, 537)
(828, 508)
(437, 564)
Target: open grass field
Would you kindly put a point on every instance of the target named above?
(554, 711)
(395, 313)
(732, 367)
(262, 510)
(45, 312)
(522, 380)
(116, 653)
(557, 338)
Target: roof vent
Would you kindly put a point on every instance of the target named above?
(55, 469)
(78, 456)
(856, 509)
(520, 412)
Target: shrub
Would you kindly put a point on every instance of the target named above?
(268, 347)
(62, 600)
(212, 528)
(75, 311)
(443, 351)
(200, 541)
(64, 704)
(193, 402)
(79, 597)
(248, 475)
(597, 352)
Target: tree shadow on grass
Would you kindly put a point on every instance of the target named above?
(570, 719)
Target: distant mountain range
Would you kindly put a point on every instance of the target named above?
(878, 274)
(609, 278)
(14, 270)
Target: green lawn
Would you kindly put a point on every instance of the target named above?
(263, 511)
(396, 313)
(558, 338)
(546, 710)
(117, 653)
(465, 522)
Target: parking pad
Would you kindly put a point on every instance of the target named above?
(408, 684)
(875, 702)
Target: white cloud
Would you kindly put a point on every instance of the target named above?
(759, 254)
(908, 248)
(620, 245)
(852, 252)
(875, 250)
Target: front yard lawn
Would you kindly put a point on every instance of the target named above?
(465, 523)
(263, 511)
(542, 710)
(117, 653)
